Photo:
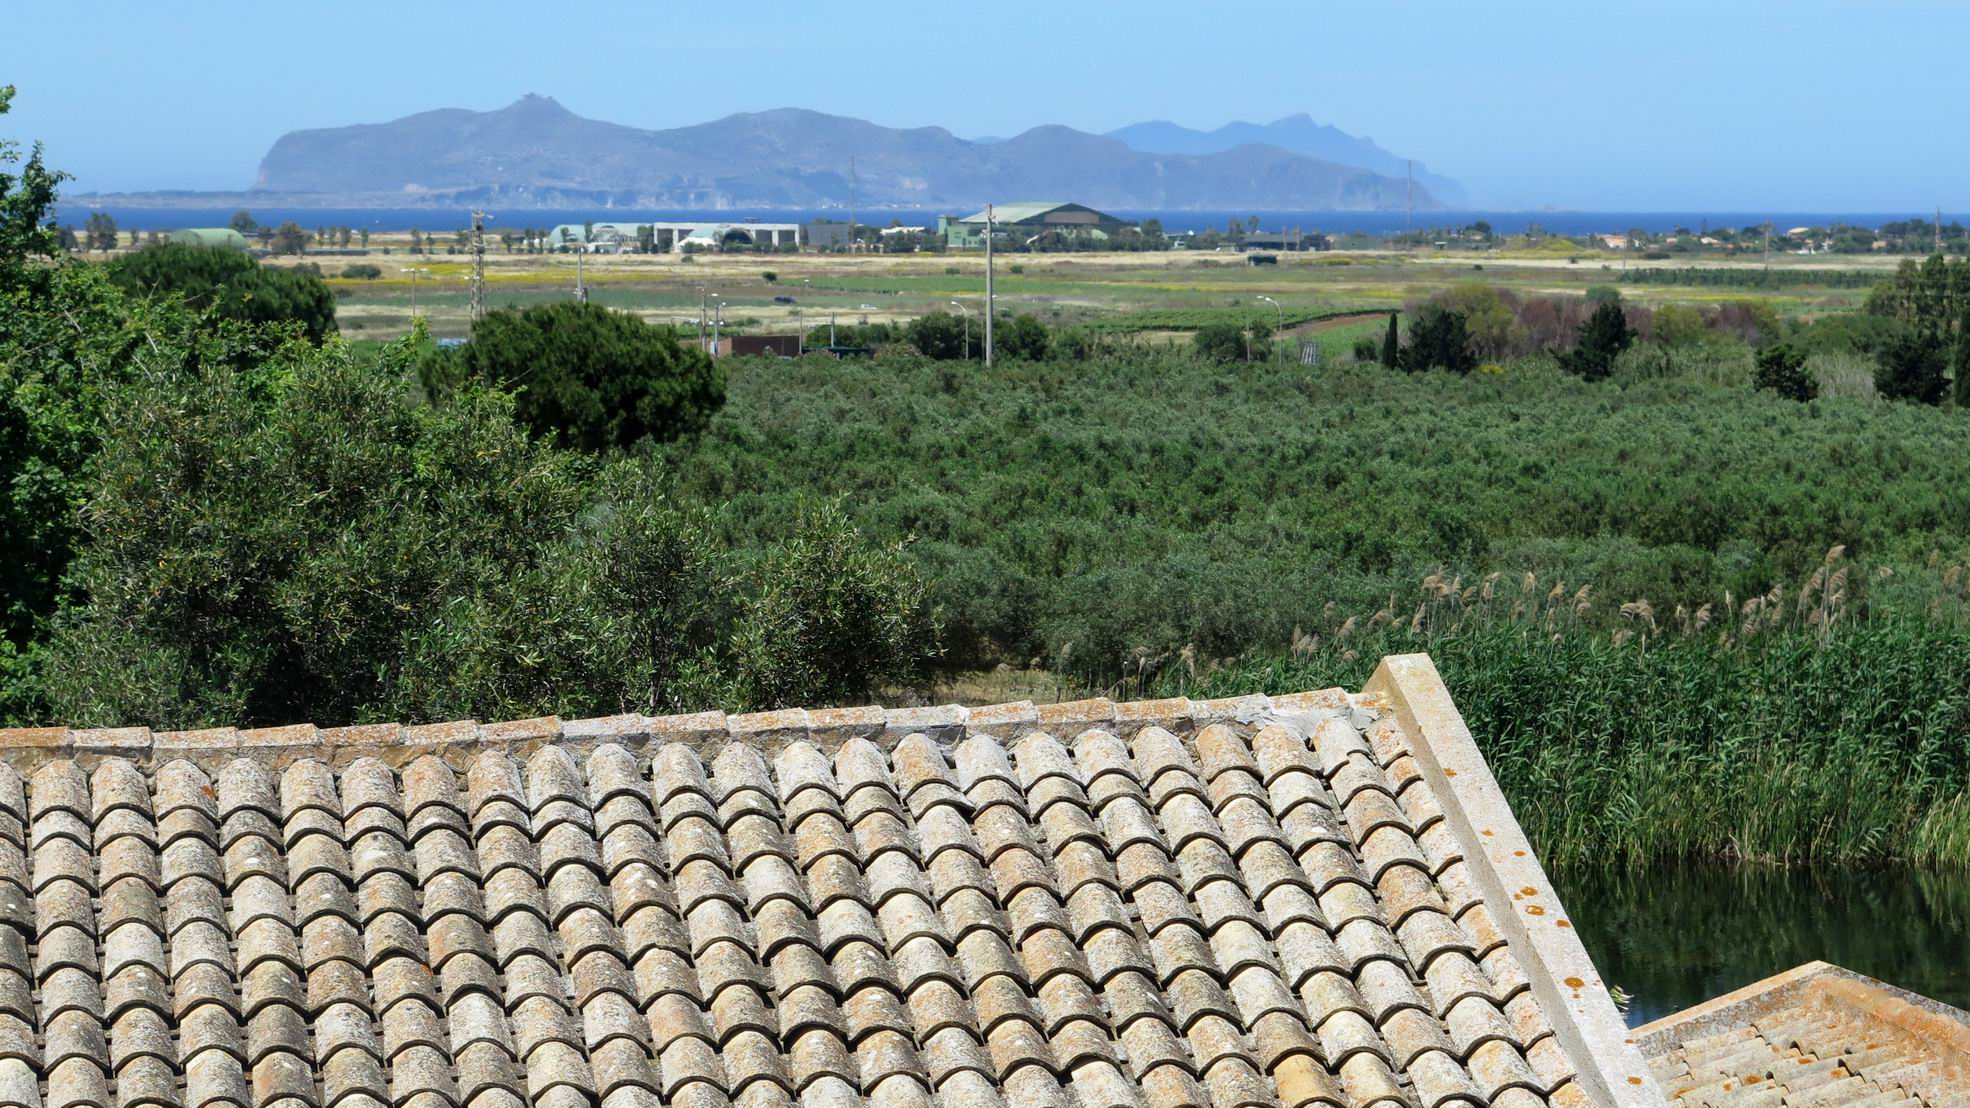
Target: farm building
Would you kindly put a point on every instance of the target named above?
(827, 234)
(1285, 240)
(223, 237)
(665, 236)
(1022, 224)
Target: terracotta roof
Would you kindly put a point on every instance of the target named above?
(1817, 1034)
(1311, 899)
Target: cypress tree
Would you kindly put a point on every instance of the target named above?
(1391, 345)
(1962, 364)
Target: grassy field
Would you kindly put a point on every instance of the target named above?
(1058, 288)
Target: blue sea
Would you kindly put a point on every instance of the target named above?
(1331, 222)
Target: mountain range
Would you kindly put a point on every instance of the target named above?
(1297, 133)
(536, 153)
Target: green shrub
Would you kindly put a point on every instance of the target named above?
(586, 376)
(229, 284)
(1782, 369)
(1022, 337)
(939, 335)
(1849, 333)
(1912, 367)
(1219, 342)
(363, 271)
(303, 541)
(1438, 339)
(1679, 325)
(830, 619)
(1150, 500)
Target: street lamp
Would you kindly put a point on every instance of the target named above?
(1276, 308)
(967, 328)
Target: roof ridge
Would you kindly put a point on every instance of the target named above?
(707, 731)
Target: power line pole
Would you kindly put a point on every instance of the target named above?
(478, 265)
(1408, 199)
(989, 306)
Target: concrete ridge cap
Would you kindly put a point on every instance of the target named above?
(709, 730)
(1513, 885)
(1739, 1002)
(1910, 1013)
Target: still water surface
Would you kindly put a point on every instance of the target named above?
(1674, 935)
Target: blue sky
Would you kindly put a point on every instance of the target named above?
(1805, 105)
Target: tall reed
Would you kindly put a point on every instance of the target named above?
(1786, 727)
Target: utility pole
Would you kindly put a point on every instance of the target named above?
(1408, 199)
(701, 319)
(851, 203)
(478, 265)
(581, 286)
(990, 307)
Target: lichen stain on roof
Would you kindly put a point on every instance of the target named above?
(1254, 902)
(1817, 1034)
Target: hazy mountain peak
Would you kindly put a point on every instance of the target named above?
(535, 104)
(1299, 133)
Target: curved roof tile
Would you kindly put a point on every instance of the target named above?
(1244, 903)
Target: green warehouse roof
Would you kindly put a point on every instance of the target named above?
(1024, 210)
(209, 236)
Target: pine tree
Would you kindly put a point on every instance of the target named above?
(1603, 339)
(1391, 345)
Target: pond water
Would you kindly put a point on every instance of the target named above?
(1675, 935)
